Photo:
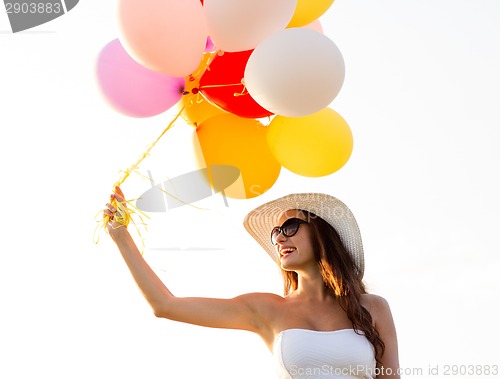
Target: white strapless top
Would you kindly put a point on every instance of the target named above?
(310, 354)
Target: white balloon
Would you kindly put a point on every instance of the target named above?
(295, 72)
(238, 25)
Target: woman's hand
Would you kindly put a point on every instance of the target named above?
(112, 215)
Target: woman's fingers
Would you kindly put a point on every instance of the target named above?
(110, 212)
(119, 192)
(110, 207)
(118, 195)
(115, 213)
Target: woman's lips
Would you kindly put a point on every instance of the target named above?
(286, 251)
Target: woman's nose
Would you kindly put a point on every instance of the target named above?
(281, 237)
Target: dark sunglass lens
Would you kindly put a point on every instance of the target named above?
(290, 227)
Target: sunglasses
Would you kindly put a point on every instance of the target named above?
(289, 228)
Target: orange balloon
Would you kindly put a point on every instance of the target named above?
(240, 142)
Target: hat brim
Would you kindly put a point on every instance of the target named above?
(260, 221)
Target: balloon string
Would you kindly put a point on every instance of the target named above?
(202, 70)
(221, 85)
(148, 150)
(125, 209)
(243, 92)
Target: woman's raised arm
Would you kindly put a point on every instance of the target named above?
(246, 312)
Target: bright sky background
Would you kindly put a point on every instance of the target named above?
(421, 95)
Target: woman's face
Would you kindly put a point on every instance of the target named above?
(296, 252)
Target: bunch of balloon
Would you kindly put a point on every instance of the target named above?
(142, 74)
(228, 64)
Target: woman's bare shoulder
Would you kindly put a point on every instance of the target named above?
(370, 298)
(377, 305)
(384, 324)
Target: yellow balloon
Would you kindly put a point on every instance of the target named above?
(307, 11)
(240, 142)
(198, 109)
(315, 145)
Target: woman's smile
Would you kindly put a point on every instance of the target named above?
(285, 251)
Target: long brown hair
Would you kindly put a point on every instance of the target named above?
(341, 276)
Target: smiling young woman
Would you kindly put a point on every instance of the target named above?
(325, 325)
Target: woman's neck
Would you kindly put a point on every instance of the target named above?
(312, 287)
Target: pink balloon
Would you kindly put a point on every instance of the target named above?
(167, 36)
(210, 46)
(132, 89)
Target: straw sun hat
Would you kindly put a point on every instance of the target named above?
(262, 219)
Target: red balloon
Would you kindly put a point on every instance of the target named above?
(221, 85)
